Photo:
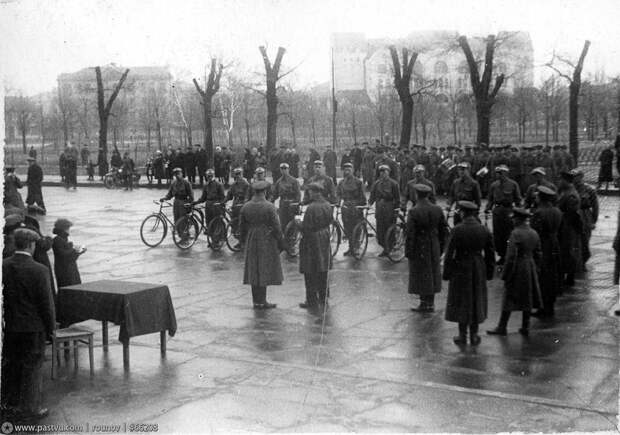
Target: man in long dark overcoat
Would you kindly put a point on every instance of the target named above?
(262, 235)
(588, 210)
(386, 194)
(315, 257)
(546, 221)
(29, 320)
(571, 228)
(520, 273)
(468, 265)
(427, 231)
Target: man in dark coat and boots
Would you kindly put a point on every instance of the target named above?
(571, 229)
(262, 235)
(181, 191)
(35, 177)
(350, 193)
(427, 231)
(65, 255)
(605, 173)
(546, 221)
(464, 188)
(202, 164)
(287, 189)
(520, 273)
(29, 320)
(386, 194)
(504, 193)
(468, 265)
(315, 257)
(588, 211)
(159, 167)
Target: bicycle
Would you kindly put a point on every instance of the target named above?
(155, 226)
(396, 238)
(359, 236)
(224, 229)
(335, 232)
(292, 232)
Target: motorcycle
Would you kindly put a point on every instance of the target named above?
(115, 178)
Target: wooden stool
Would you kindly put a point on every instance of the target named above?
(70, 338)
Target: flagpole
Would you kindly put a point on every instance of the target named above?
(334, 104)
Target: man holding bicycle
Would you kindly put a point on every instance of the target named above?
(351, 192)
(386, 194)
(181, 191)
(237, 193)
(213, 197)
(464, 188)
(287, 189)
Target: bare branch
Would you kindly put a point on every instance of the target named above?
(429, 85)
(291, 70)
(564, 60)
(498, 84)
(198, 88)
(560, 73)
(117, 89)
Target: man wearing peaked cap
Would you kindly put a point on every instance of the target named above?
(350, 193)
(427, 231)
(213, 197)
(504, 193)
(386, 193)
(287, 189)
(259, 175)
(238, 194)
(464, 188)
(469, 263)
(546, 221)
(589, 211)
(410, 193)
(538, 175)
(520, 276)
(181, 191)
(329, 189)
(569, 203)
(261, 234)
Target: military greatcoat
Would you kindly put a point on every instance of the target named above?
(571, 230)
(427, 231)
(468, 270)
(314, 247)
(546, 222)
(260, 229)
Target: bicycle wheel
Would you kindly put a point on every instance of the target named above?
(153, 230)
(233, 236)
(359, 241)
(335, 237)
(395, 239)
(292, 236)
(216, 233)
(185, 232)
(108, 181)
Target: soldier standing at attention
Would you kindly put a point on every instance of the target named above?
(238, 194)
(468, 272)
(328, 188)
(213, 197)
(571, 229)
(287, 189)
(259, 175)
(410, 194)
(350, 192)
(504, 193)
(386, 194)
(427, 231)
(464, 188)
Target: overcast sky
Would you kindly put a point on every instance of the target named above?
(40, 39)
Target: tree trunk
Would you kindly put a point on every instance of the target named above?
(247, 130)
(272, 118)
(406, 120)
(159, 141)
(313, 125)
(353, 126)
(483, 116)
(24, 144)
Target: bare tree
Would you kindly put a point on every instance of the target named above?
(402, 84)
(574, 86)
(104, 109)
(65, 109)
(24, 112)
(212, 85)
(481, 85)
(272, 72)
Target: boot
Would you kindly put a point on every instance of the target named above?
(501, 327)
(461, 339)
(474, 338)
(525, 324)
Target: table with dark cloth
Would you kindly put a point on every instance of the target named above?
(138, 308)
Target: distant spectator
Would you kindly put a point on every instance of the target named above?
(12, 197)
(85, 155)
(32, 153)
(35, 177)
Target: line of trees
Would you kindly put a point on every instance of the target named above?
(231, 108)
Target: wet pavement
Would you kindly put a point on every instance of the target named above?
(369, 364)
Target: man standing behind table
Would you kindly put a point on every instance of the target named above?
(262, 235)
(504, 193)
(315, 257)
(29, 320)
(350, 191)
(386, 194)
(35, 177)
(427, 231)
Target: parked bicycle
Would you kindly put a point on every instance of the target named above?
(396, 237)
(292, 233)
(336, 232)
(359, 236)
(154, 227)
(220, 230)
